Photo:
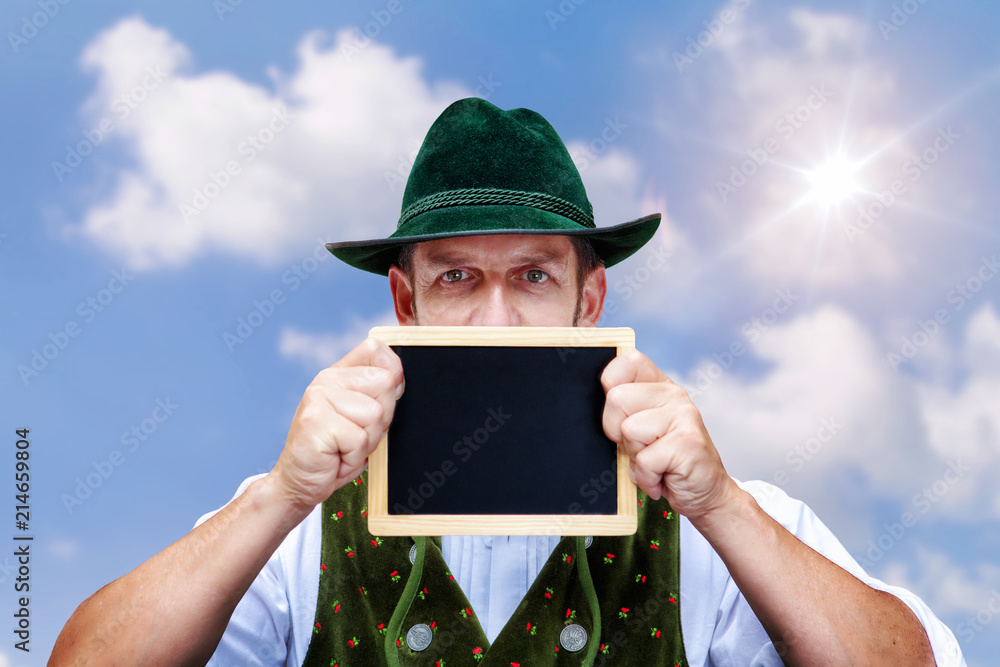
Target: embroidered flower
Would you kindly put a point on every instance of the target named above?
(531, 629)
(466, 613)
(609, 559)
(567, 558)
(364, 511)
(381, 628)
(654, 544)
(653, 632)
(362, 589)
(570, 614)
(377, 541)
(623, 612)
(672, 600)
(603, 648)
(423, 593)
(357, 481)
(640, 578)
(548, 593)
(667, 514)
(338, 516)
(322, 567)
(317, 628)
(477, 653)
(352, 642)
(336, 606)
(349, 551)
(394, 575)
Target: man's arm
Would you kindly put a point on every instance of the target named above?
(173, 609)
(815, 612)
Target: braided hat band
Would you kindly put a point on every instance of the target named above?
(498, 197)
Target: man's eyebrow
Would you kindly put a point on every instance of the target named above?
(446, 259)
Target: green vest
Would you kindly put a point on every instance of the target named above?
(392, 601)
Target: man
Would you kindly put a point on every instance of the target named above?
(496, 230)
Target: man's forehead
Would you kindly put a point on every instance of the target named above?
(511, 248)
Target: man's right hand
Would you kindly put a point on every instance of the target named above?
(342, 417)
(173, 609)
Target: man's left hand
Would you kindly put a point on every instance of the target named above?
(662, 432)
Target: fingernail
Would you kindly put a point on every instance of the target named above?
(400, 388)
(631, 474)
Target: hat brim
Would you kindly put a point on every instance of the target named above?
(612, 244)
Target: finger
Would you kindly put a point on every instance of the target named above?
(372, 352)
(373, 415)
(372, 381)
(625, 400)
(630, 366)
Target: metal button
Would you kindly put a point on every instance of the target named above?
(419, 637)
(488, 542)
(573, 637)
(413, 554)
(587, 541)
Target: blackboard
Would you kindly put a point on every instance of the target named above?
(499, 431)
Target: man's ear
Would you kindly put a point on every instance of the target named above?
(595, 288)
(402, 297)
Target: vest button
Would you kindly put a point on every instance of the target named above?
(413, 554)
(587, 541)
(573, 637)
(419, 637)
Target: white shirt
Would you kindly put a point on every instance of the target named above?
(272, 624)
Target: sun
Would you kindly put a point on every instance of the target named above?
(834, 181)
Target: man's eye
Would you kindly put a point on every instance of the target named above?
(454, 275)
(536, 276)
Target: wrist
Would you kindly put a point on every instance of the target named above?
(735, 510)
(271, 498)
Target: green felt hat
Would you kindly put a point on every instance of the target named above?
(483, 170)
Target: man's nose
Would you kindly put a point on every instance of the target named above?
(496, 309)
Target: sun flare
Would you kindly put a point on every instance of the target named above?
(834, 181)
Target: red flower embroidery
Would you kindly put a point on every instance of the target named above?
(322, 566)
(672, 600)
(477, 651)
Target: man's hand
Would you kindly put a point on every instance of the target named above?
(662, 432)
(796, 593)
(342, 417)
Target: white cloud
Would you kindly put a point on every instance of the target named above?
(751, 89)
(317, 351)
(63, 549)
(334, 141)
(947, 587)
(963, 421)
(823, 368)
(325, 138)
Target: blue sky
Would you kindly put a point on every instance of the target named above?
(831, 161)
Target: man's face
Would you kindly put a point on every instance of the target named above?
(497, 280)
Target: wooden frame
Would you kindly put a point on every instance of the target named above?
(381, 523)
